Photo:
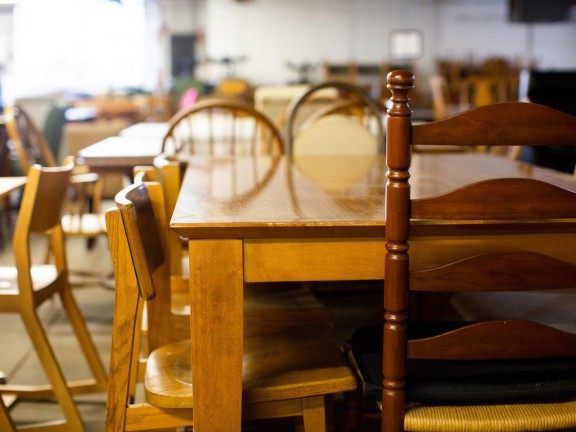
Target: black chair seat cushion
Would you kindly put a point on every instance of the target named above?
(464, 382)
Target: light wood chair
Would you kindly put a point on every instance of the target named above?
(352, 103)
(286, 375)
(502, 234)
(268, 308)
(26, 286)
(222, 126)
(82, 217)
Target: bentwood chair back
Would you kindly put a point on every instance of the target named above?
(354, 108)
(501, 234)
(82, 216)
(222, 126)
(26, 286)
(274, 384)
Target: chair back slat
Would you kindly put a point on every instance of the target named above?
(518, 339)
(45, 194)
(497, 271)
(144, 238)
(499, 199)
(503, 124)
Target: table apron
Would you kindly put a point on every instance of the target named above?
(275, 260)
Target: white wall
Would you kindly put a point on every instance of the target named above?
(272, 32)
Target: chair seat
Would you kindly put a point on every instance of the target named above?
(497, 418)
(290, 365)
(42, 275)
(82, 176)
(85, 225)
(465, 382)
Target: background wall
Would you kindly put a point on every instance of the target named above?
(271, 32)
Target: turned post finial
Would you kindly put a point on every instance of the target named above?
(400, 83)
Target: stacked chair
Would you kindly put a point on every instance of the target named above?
(501, 234)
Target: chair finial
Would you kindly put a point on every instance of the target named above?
(400, 83)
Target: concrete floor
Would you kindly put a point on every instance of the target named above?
(18, 359)
(19, 362)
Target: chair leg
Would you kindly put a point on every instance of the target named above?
(6, 423)
(352, 406)
(53, 372)
(313, 414)
(86, 342)
(352, 410)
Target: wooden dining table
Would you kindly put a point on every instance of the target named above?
(120, 154)
(267, 219)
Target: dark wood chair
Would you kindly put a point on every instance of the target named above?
(27, 285)
(502, 234)
(82, 217)
(222, 126)
(288, 374)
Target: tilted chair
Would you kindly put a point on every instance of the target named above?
(501, 234)
(26, 286)
(353, 103)
(82, 216)
(275, 384)
(221, 126)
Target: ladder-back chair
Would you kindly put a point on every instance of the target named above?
(501, 234)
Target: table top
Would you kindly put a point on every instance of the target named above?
(146, 130)
(10, 184)
(119, 152)
(267, 197)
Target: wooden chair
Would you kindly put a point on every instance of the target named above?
(26, 286)
(6, 423)
(353, 101)
(502, 234)
(82, 217)
(269, 308)
(270, 389)
(222, 126)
